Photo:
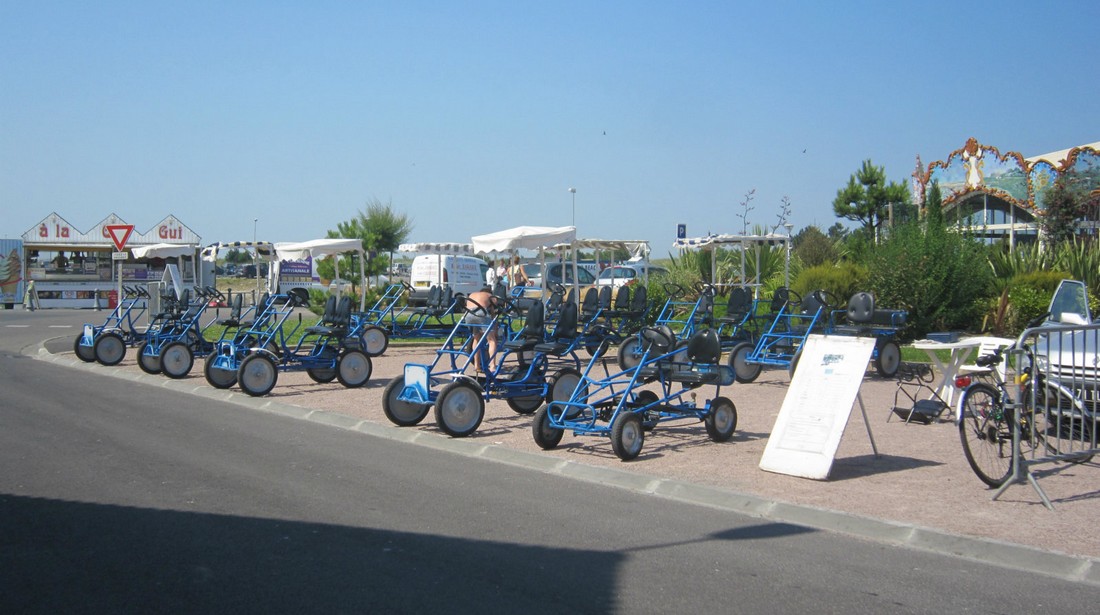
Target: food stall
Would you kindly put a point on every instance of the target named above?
(76, 269)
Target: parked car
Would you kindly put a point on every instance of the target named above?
(465, 274)
(1070, 357)
(555, 274)
(620, 275)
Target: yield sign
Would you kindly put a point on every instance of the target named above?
(119, 234)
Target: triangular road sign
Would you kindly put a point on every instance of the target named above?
(119, 234)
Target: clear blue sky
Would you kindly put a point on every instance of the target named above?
(477, 116)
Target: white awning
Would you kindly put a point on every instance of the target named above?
(437, 248)
(163, 250)
(265, 250)
(317, 248)
(524, 238)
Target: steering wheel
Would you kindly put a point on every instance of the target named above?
(557, 288)
(827, 299)
(794, 298)
(705, 288)
(298, 297)
(408, 287)
(673, 289)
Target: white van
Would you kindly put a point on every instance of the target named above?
(465, 274)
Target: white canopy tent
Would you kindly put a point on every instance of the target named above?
(320, 248)
(741, 242)
(456, 249)
(525, 238)
(170, 250)
(264, 250)
(637, 248)
(260, 251)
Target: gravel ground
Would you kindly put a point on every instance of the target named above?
(921, 477)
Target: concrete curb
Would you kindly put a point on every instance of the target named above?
(987, 551)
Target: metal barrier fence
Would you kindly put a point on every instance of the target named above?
(1056, 400)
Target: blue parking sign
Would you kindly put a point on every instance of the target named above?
(681, 231)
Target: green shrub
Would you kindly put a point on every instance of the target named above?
(317, 299)
(841, 281)
(1029, 297)
(940, 277)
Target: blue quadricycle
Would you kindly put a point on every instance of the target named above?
(177, 335)
(662, 386)
(254, 355)
(535, 361)
(107, 342)
(387, 318)
(795, 318)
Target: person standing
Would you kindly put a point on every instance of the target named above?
(30, 297)
(491, 276)
(481, 317)
(516, 275)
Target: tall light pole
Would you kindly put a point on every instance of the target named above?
(573, 191)
(255, 252)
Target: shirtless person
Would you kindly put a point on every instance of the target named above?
(476, 315)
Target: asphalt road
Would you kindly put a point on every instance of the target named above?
(122, 497)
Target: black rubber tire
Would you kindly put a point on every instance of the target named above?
(630, 353)
(459, 409)
(401, 413)
(110, 348)
(149, 363)
(524, 405)
(218, 378)
(324, 375)
(743, 370)
(84, 353)
(374, 341)
(721, 421)
(627, 436)
(257, 374)
(321, 375)
(546, 436)
(596, 347)
(354, 368)
(563, 383)
(986, 434)
(888, 359)
(176, 360)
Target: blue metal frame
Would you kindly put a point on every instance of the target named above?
(598, 402)
(122, 320)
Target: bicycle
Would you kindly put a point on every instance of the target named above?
(986, 420)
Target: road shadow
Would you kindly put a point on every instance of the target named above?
(65, 557)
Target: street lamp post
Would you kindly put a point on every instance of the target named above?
(255, 254)
(573, 191)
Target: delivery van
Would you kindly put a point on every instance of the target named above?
(465, 274)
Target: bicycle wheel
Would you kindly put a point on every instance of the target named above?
(986, 434)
